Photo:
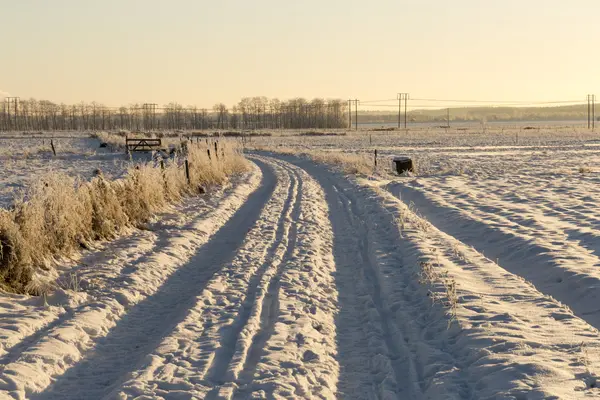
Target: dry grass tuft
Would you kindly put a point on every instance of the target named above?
(432, 274)
(350, 163)
(112, 140)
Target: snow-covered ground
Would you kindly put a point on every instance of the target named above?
(427, 138)
(475, 279)
(24, 159)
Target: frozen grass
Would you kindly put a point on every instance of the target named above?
(20, 170)
(58, 214)
(114, 141)
(29, 148)
(350, 163)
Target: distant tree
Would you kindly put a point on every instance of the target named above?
(221, 110)
(233, 120)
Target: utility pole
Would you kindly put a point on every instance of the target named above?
(355, 101)
(591, 110)
(402, 96)
(149, 114)
(356, 113)
(588, 110)
(349, 114)
(399, 108)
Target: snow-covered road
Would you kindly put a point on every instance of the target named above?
(296, 282)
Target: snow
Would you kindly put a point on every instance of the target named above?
(475, 279)
(254, 305)
(508, 338)
(25, 158)
(127, 279)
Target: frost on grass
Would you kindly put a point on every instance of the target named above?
(58, 213)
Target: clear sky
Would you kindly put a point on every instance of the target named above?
(200, 52)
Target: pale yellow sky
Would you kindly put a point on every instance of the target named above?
(199, 53)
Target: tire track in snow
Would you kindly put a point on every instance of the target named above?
(243, 370)
(385, 347)
(297, 359)
(369, 341)
(241, 348)
(146, 323)
(178, 367)
(186, 359)
(26, 343)
(399, 358)
(237, 283)
(408, 312)
(364, 338)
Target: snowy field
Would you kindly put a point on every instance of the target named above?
(475, 278)
(25, 158)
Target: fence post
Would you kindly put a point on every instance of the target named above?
(53, 149)
(375, 158)
(187, 171)
(164, 175)
(208, 152)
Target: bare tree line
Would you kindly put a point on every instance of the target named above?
(248, 113)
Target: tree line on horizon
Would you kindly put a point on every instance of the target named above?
(248, 113)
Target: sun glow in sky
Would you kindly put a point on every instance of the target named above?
(199, 52)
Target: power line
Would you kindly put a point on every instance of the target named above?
(442, 106)
(377, 101)
(499, 101)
